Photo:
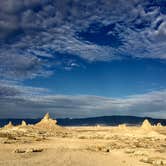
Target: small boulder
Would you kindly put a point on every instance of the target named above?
(28, 150)
(20, 150)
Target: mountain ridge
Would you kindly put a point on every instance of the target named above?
(91, 121)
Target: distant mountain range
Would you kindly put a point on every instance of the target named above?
(104, 120)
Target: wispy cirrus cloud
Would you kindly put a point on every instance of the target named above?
(39, 31)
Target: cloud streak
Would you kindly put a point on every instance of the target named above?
(34, 102)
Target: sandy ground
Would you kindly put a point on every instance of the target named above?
(64, 152)
(47, 144)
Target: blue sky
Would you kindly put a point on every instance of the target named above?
(112, 79)
(82, 58)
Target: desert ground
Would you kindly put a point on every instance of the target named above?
(47, 144)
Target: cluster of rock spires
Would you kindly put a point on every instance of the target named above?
(51, 124)
(146, 125)
(45, 123)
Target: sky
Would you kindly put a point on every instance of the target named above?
(77, 59)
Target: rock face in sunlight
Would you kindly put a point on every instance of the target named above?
(146, 125)
(47, 123)
(23, 123)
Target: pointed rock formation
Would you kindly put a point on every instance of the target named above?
(159, 125)
(9, 125)
(23, 123)
(46, 116)
(146, 125)
(47, 123)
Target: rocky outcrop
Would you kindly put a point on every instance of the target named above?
(47, 123)
(9, 125)
(23, 123)
(28, 150)
(146, 125)
(159, 125)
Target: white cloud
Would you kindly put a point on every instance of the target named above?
(22, 101)
(31, 30)
(18, 66)
(29, 26)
